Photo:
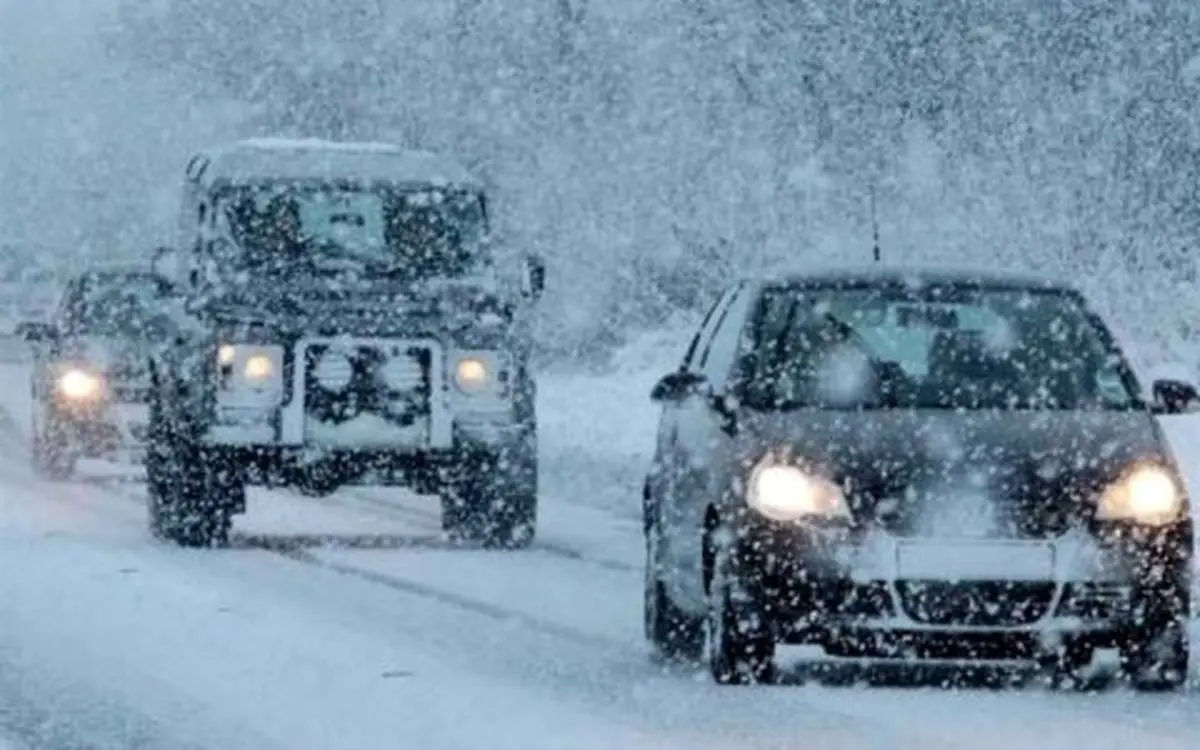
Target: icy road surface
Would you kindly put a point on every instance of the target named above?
(111, 640)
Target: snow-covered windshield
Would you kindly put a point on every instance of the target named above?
(116, 306)
(282, 228)
(937, 348)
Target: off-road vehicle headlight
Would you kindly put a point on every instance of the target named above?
(471, 374)
(250, 369)
(333, 370)
(479, 372)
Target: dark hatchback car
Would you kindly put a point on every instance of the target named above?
(916, 466)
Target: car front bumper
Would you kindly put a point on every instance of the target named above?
(874, 594)
(105, 430)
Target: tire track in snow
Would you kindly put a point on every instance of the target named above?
(300, 548)
(834, 704)
(432, 519)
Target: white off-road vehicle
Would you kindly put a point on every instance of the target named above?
(341, 319)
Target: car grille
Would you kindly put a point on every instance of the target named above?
(1020, 510)
(130, 393)
(979, 604)
(392, 382)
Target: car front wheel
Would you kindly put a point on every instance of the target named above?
(672, 633)
(1155, 655)
(739, 643)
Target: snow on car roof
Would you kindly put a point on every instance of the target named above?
(310, 158)
(916, 275)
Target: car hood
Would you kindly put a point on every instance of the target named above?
(995, 473)
(122, 358)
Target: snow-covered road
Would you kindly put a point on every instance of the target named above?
(389, 639)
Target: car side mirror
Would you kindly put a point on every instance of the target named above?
(533, 283)
(676, 386)
(36, 331)
(1175, 396)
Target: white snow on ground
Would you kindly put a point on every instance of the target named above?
(381, 636)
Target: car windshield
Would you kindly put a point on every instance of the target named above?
(934, 348)
(414, 234)
(115, 308)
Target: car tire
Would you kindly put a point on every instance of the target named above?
(739, 644)
(1155, 655)
(189, 500)
(318, 482)
(491, 499)
(52, 455)
(672, 633)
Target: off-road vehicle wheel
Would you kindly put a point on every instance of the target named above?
(490, 498)
(191, 498)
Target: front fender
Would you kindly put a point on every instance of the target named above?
(183, 378)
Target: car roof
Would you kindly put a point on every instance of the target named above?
(916, 276)
(256, 159)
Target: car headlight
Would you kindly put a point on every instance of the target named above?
(788, 493)
(226, 354)
(472, 375)
(79, 385)
(1147, 494)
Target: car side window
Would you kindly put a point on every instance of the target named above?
(704, 334)
(722, 350)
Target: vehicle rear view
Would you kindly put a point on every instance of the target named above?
(933, 467)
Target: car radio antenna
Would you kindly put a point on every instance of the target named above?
(874, 229)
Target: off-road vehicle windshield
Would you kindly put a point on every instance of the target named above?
(950, 347)
(287, 228)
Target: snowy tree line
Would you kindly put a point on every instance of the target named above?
(651, 149)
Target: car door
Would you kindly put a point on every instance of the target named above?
(668, 421)
(699, 437)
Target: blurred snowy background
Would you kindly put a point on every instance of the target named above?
(649, 148)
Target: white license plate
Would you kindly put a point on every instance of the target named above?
(974, 560)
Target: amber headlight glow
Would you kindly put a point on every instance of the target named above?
(1148, 494)
(79, 385)
(258, 367)
(472, 375)
(253, 371)
(788, 493)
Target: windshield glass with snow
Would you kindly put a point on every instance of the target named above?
(411, 234)
(937, 348)
(115, 307)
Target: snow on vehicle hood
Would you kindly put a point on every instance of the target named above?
(378, 308)
(119, 357)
